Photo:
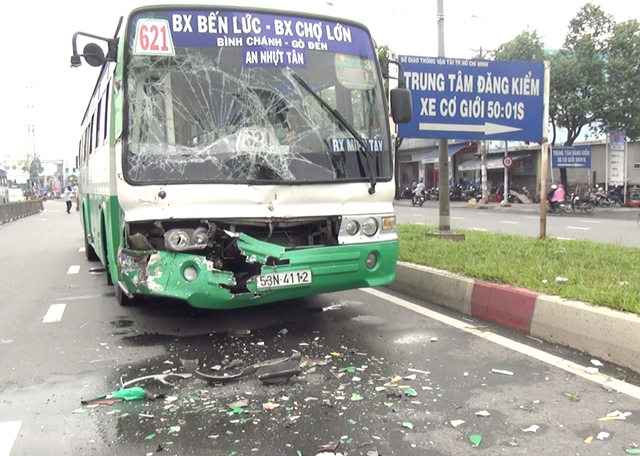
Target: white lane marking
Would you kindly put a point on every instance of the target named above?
(578, 228)
(477, 229)
(457, 218)
(8, 433)
(556, 361)
(565, 238)
(73, 269)
(81, 250)
(590, 221)
(54, 314)
(537, 217)
(509, 222)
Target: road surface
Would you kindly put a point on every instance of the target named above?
(385, 374)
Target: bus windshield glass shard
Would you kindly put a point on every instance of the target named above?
(213, 96)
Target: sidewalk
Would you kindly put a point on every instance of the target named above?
(599, 331)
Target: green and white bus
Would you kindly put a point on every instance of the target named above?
(233, 155)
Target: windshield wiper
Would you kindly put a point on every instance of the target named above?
(344, 123)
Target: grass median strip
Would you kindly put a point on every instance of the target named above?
(600, 274)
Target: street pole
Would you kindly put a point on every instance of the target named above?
(544, 159)
(443, 146)
(505, 193)
(483, 168)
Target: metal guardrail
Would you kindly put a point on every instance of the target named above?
(14, 211)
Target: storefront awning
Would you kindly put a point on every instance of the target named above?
(494, 161)
(432, 157)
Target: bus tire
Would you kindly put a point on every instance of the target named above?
(123, 299)
(89, 251)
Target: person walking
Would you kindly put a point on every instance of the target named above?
(67, 198)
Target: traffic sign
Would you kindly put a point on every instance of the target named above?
(474, 99)
(571, 157)
(507, 161)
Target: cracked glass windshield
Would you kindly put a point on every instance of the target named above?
(217, 96)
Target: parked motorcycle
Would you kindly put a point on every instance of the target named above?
(581, 204)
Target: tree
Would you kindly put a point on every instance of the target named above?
(72, 179)
(578, 74)
(34, 168)
(578, 82)
(383, 53)
(621, 99)
(525, 47)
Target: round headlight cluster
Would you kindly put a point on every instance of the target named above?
(352, 227)
(370, 226)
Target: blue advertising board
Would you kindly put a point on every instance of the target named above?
(474, 99)
(571, 157)
(267, 40)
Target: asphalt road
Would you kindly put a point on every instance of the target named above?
(601, 226)
(385, 374)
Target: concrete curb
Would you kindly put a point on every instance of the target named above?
(601, 332)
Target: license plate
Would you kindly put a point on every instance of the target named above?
(283, 279)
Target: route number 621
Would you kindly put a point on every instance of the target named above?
(153, 37)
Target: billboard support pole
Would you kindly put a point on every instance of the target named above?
(544, 165)
(443, 147)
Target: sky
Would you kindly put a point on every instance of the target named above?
(37, 48)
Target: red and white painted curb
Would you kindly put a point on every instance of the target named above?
(602, 332)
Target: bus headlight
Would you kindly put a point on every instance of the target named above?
(352, 227)
(200, 237)
(389, 223)
(177, 240)
(370, 226)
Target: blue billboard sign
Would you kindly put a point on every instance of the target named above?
(571, 157)
(474, 99)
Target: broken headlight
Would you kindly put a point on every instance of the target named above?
(180, 240)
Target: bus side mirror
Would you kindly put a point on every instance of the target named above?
(93, 55)
(401, 107)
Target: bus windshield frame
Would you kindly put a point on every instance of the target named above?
(219, 99)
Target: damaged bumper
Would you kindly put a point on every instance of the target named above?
(290, 274)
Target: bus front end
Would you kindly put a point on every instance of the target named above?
(256, 163)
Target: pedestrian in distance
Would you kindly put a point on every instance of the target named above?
(67, 198)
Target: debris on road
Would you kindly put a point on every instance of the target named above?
(500, 371)
(595, 362)
(162, 378)
(456, 423)
(271, 371)
(483, 413)
(532, 428)
(135, 393)
(475, 439)
(616, 415)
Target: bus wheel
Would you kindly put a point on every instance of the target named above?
(89, 251)
(123, 299)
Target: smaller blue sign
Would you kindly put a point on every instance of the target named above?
(571, 157)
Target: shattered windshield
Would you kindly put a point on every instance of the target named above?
(216, 96)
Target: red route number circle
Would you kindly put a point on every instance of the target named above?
(507, 161)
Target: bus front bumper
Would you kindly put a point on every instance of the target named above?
(302, 272)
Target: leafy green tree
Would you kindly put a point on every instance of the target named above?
(383, 53)
(72, 179)
(578, 76)
(525, 47)
(621, 99)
